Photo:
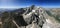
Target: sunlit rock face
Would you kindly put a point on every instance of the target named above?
(51, 20)
(49, 24)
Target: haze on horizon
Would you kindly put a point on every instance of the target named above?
(25, 3)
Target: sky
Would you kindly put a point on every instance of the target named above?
(25, 3)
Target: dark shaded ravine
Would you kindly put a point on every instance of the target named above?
(20, 21)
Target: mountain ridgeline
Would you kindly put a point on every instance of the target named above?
(29, 17)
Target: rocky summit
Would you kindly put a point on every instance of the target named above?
(30, 17)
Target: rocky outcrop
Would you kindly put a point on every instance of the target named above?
(29, 17)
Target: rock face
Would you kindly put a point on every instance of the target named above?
(35, 15)
(52, 20)
(30, 17)
(23, 18)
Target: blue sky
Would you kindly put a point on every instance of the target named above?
(24, 3)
